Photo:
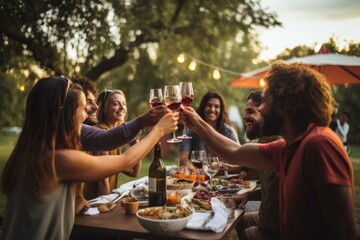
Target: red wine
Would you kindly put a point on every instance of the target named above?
(197, 163)
(186, 101)
(155, 104)
(173, 106)
(156, 101)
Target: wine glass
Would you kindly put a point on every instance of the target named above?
(172, 100)
(196, 158)
(211, 166)
(156, 97)
(187, 96)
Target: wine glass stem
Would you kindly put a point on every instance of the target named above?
(174, 136)
(184, 131)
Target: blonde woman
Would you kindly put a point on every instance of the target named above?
(111, 113)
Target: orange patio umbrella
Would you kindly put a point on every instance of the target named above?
(337, 68)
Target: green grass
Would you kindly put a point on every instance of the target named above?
(7, 144)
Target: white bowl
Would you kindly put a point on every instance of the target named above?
(162, 226)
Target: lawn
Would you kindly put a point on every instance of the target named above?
(7, 144)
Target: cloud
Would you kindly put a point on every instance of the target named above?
(318, 9)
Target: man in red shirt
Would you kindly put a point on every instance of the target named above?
(316, 176)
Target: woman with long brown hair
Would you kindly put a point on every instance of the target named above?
(39, 176)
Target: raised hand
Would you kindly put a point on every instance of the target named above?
(168, 123)
(152, 116)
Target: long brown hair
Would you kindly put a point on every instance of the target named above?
(223, 116)
(303, 93)
(50, 124)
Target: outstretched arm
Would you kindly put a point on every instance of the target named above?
(74, 165)
(94, 139)
(247, 155)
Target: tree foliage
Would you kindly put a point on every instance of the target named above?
(131, 45)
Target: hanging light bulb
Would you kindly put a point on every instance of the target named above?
(22, 87)
(192, 65)
(216, 74)
(181, 58)
(262, 82)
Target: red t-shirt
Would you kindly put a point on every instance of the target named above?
(314, 159)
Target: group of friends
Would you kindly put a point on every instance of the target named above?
(307, 185)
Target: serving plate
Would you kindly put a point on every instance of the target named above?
(230, 189)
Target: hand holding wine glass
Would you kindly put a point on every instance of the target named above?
(187, 96)
(172, 100)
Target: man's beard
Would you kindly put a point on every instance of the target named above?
(253, 132)
(90, 121)
(272, 124)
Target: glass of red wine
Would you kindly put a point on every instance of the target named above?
(197, 157)
(172, 100)
(156, 97)
(187, 96)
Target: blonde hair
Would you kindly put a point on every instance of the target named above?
(103, 100)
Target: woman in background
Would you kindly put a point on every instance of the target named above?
(213, 110)
(111, 113)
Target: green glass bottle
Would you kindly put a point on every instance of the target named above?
(157, 179)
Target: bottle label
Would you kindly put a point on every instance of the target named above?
(152, 184)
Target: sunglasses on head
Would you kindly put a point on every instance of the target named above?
(107, 92)
(69, 82)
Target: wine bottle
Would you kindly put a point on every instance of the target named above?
(157, 179)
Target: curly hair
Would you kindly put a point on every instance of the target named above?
(223, 116)
(303, 93)
(85, 83)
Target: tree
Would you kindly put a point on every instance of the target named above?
(122, 43)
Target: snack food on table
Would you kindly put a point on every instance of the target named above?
(178, 184)
(165, 212)
(201, 200)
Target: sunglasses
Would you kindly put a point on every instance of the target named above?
(69, 82)
(107, 92)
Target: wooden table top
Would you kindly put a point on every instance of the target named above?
(119, 224)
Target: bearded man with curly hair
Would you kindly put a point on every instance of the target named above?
(316, 191)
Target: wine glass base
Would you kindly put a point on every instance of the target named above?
(184, 137)
(174, 140)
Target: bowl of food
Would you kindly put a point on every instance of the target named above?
(164, 220)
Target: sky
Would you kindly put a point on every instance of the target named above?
(310, 22)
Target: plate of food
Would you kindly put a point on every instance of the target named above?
(228, 189)
(239, 181)
(200, 201)
(141, 194)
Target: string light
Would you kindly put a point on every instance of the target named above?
(262, 82)
(193, 64)
(181, 58)
(216, 74)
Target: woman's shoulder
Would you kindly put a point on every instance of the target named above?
(102, 126)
